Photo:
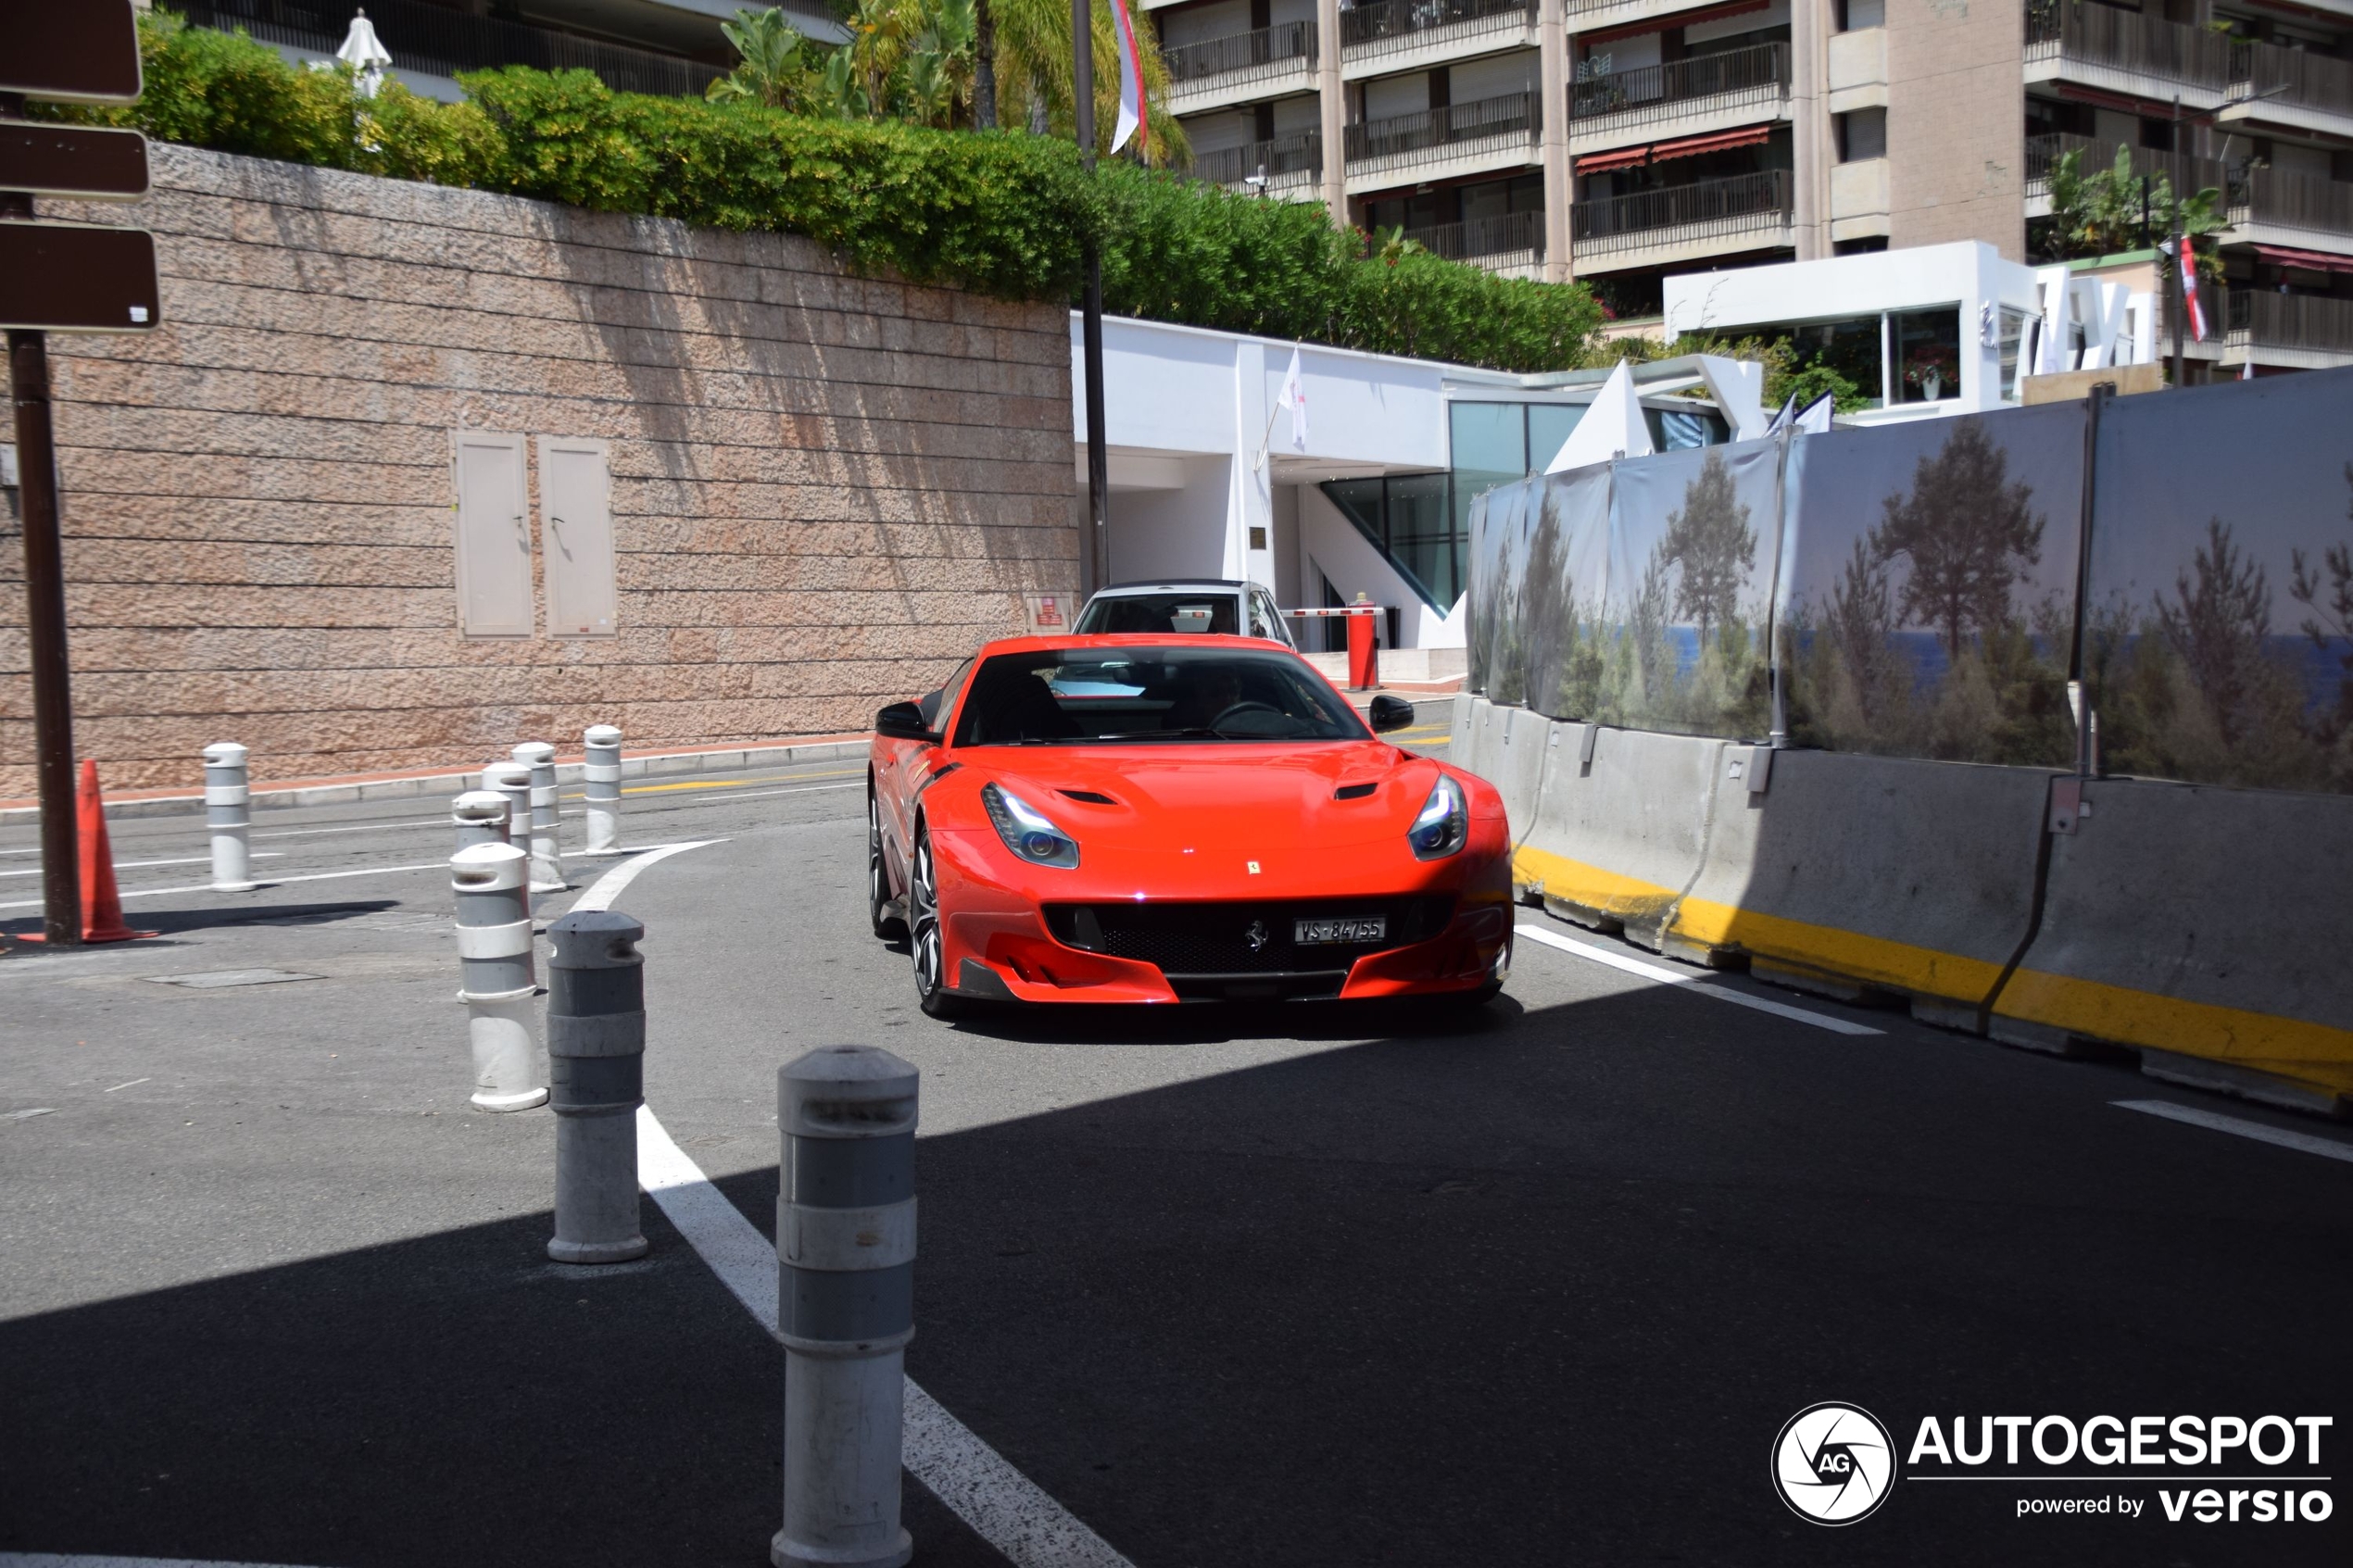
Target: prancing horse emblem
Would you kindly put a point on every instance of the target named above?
(1257, 936)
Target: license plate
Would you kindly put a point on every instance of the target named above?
(1356, 928)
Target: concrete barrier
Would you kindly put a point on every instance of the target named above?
(1482, 749)
(1460, 709)
(1619, 834)
(2205, 927)
(1866, 877)
(1530, 742)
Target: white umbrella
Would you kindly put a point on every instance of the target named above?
(365, 53)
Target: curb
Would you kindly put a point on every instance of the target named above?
(414, 785)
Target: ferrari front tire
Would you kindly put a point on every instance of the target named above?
(926, 941)
(879, 914)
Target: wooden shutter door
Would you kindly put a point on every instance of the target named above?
(493, 536)
(576, 509)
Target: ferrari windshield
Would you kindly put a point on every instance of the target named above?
(1073, 696)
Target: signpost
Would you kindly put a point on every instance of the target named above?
(72, 278)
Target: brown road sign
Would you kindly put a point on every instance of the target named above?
(73, 160)
(77, 278)
(80, 51)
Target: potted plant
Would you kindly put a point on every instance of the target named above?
(1931, 366)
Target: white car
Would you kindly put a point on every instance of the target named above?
(1211, 606)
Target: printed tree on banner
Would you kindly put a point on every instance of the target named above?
(2218, 628)
(1968, 533)
(1711, 540)
(2332, 620)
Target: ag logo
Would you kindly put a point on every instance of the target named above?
(1834, 1464)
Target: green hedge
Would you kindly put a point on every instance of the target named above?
(1003, 213)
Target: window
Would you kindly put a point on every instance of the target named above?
(1862, 133)
(1850, 347)
(1926, 346)
(1548, 427)
(935, 705)
(1856, 14)
(1145, 694)
(494, 535)
(1204, 612)
(2012, 334)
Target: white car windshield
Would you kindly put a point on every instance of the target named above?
(1082, 696)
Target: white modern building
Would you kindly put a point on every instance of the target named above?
(1370, 493)
(1936, 330)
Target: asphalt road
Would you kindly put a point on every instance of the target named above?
(1317, 1287)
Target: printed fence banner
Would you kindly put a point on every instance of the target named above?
(1683, 638)
(2219, 610)
(1498, 564)
(1561, 598)
(1927, 586)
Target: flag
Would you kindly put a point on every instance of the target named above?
(1815, 417)
(1782, 420)
(2246, 369)
(2195, 306)
(1295, 397)
(1131, 85)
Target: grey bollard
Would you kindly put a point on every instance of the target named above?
(227, 816)
(511, 781)
(846, 1302)
(480, 817)
(546, 864)
(600, 781)
(494, 951)
(595, 1082)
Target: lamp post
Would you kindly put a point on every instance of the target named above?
(1095, 547)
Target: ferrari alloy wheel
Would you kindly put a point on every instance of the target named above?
(924, 936)
(886, 921)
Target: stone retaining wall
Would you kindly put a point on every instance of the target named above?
(826, 489)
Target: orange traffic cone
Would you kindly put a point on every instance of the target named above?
(100, 904)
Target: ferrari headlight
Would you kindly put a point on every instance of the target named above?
(1443, 826)
(1026, 832)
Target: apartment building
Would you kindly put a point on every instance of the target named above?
(1623, 141)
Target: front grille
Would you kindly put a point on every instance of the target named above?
(1215, 940)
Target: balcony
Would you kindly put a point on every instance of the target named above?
(1268, 63)
(1292, 164)
(1683, 97)
(2123, 52)
(2302, 90)
(1513, 243)
(1683, 224)
(1398, 35)
(2291, 329)
(1593, 15)
(435, 42)
(2294, 211)
(2187, 175)
(1444, 144)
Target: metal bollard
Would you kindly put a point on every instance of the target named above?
(546, 864)
(597, 1080)
(846, 1302)
(494, 951)
(600, 778)
(480, 817)
(228, 814)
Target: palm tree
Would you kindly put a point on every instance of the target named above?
(775, 63)
(1033, 75)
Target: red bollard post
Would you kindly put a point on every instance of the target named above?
(1364, 652)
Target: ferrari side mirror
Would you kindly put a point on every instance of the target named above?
(1391, 712)
(904, 720)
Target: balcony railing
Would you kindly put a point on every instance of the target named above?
(1689, 82)
(1299, 155)
(2187, 174)
(2091, 34)
(2293, 76)
(1390, 25)
(2292, 201)
(1739, 204)
(436, 41)
(1243, 51)
(1514, 114)
(1478, 239)
(2262, 319)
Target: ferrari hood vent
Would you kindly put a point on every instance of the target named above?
(1354, 791)
(1092, 798)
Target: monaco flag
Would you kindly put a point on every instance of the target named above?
(1131, 85)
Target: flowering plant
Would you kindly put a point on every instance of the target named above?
(1932, 362)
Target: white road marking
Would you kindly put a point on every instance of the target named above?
(2328, 1149)
(606, 889)
(191, 861)
(28, 1115)
(273, 881)
(132, 1085)
(1694, 983)
(1004, 1507)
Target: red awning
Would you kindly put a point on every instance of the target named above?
(2310, 260)
(1659, 152)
